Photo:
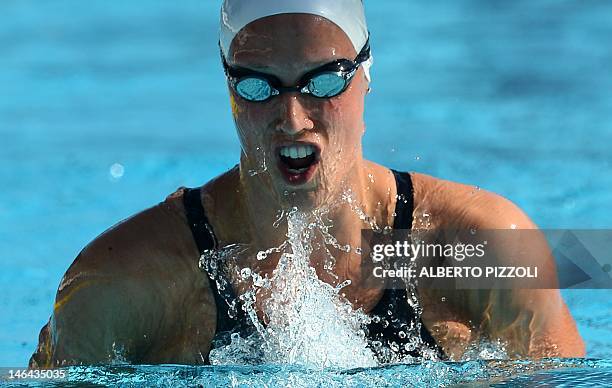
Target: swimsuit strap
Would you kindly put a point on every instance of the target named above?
(206, 240)
(404, 206)
(198, 222)
(395, 313)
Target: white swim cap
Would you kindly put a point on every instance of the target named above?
(349, 15)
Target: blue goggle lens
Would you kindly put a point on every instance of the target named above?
(254, 89)
(326, 85)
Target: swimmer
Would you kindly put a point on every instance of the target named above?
(298, 76)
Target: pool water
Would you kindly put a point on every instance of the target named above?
(107, 108)
(561, 372)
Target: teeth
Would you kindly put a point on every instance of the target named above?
(298, 171)
(302, 152)
(297, 152)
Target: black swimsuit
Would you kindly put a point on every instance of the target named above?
(383, 334)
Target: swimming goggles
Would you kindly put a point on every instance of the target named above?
(325, 81)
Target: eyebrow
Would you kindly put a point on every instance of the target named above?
(255, 67)
(266, 68)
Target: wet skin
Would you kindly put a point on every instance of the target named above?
(137, 288)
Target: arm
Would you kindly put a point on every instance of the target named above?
(135, 294)
(98, 319)
(531, 322)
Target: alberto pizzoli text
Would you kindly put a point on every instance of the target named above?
(457, 272)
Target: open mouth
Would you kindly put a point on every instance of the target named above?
(298, 162)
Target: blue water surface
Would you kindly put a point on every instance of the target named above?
(512, 96)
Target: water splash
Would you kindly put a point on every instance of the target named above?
(118, 355)
(308, 323)
(349, 197)
(486, 350)
(261, 163)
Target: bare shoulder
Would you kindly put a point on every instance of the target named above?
(142, 243)
(450, 204)
(135, 290)
(531, 322)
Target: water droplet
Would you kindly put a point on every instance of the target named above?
(443, 299)
(345, 283)
(116, 171)
(279, 218)
(245, 273)
(409, 347)
(377, 258)
(258, 281)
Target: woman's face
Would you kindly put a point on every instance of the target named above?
(276, 134)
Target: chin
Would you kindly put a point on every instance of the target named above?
(304, 201)
(305, 198)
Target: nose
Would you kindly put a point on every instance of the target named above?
(293, 116)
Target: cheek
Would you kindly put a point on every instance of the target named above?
(245, 114)
(347, 112)
(250, 120)
(235, 109)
